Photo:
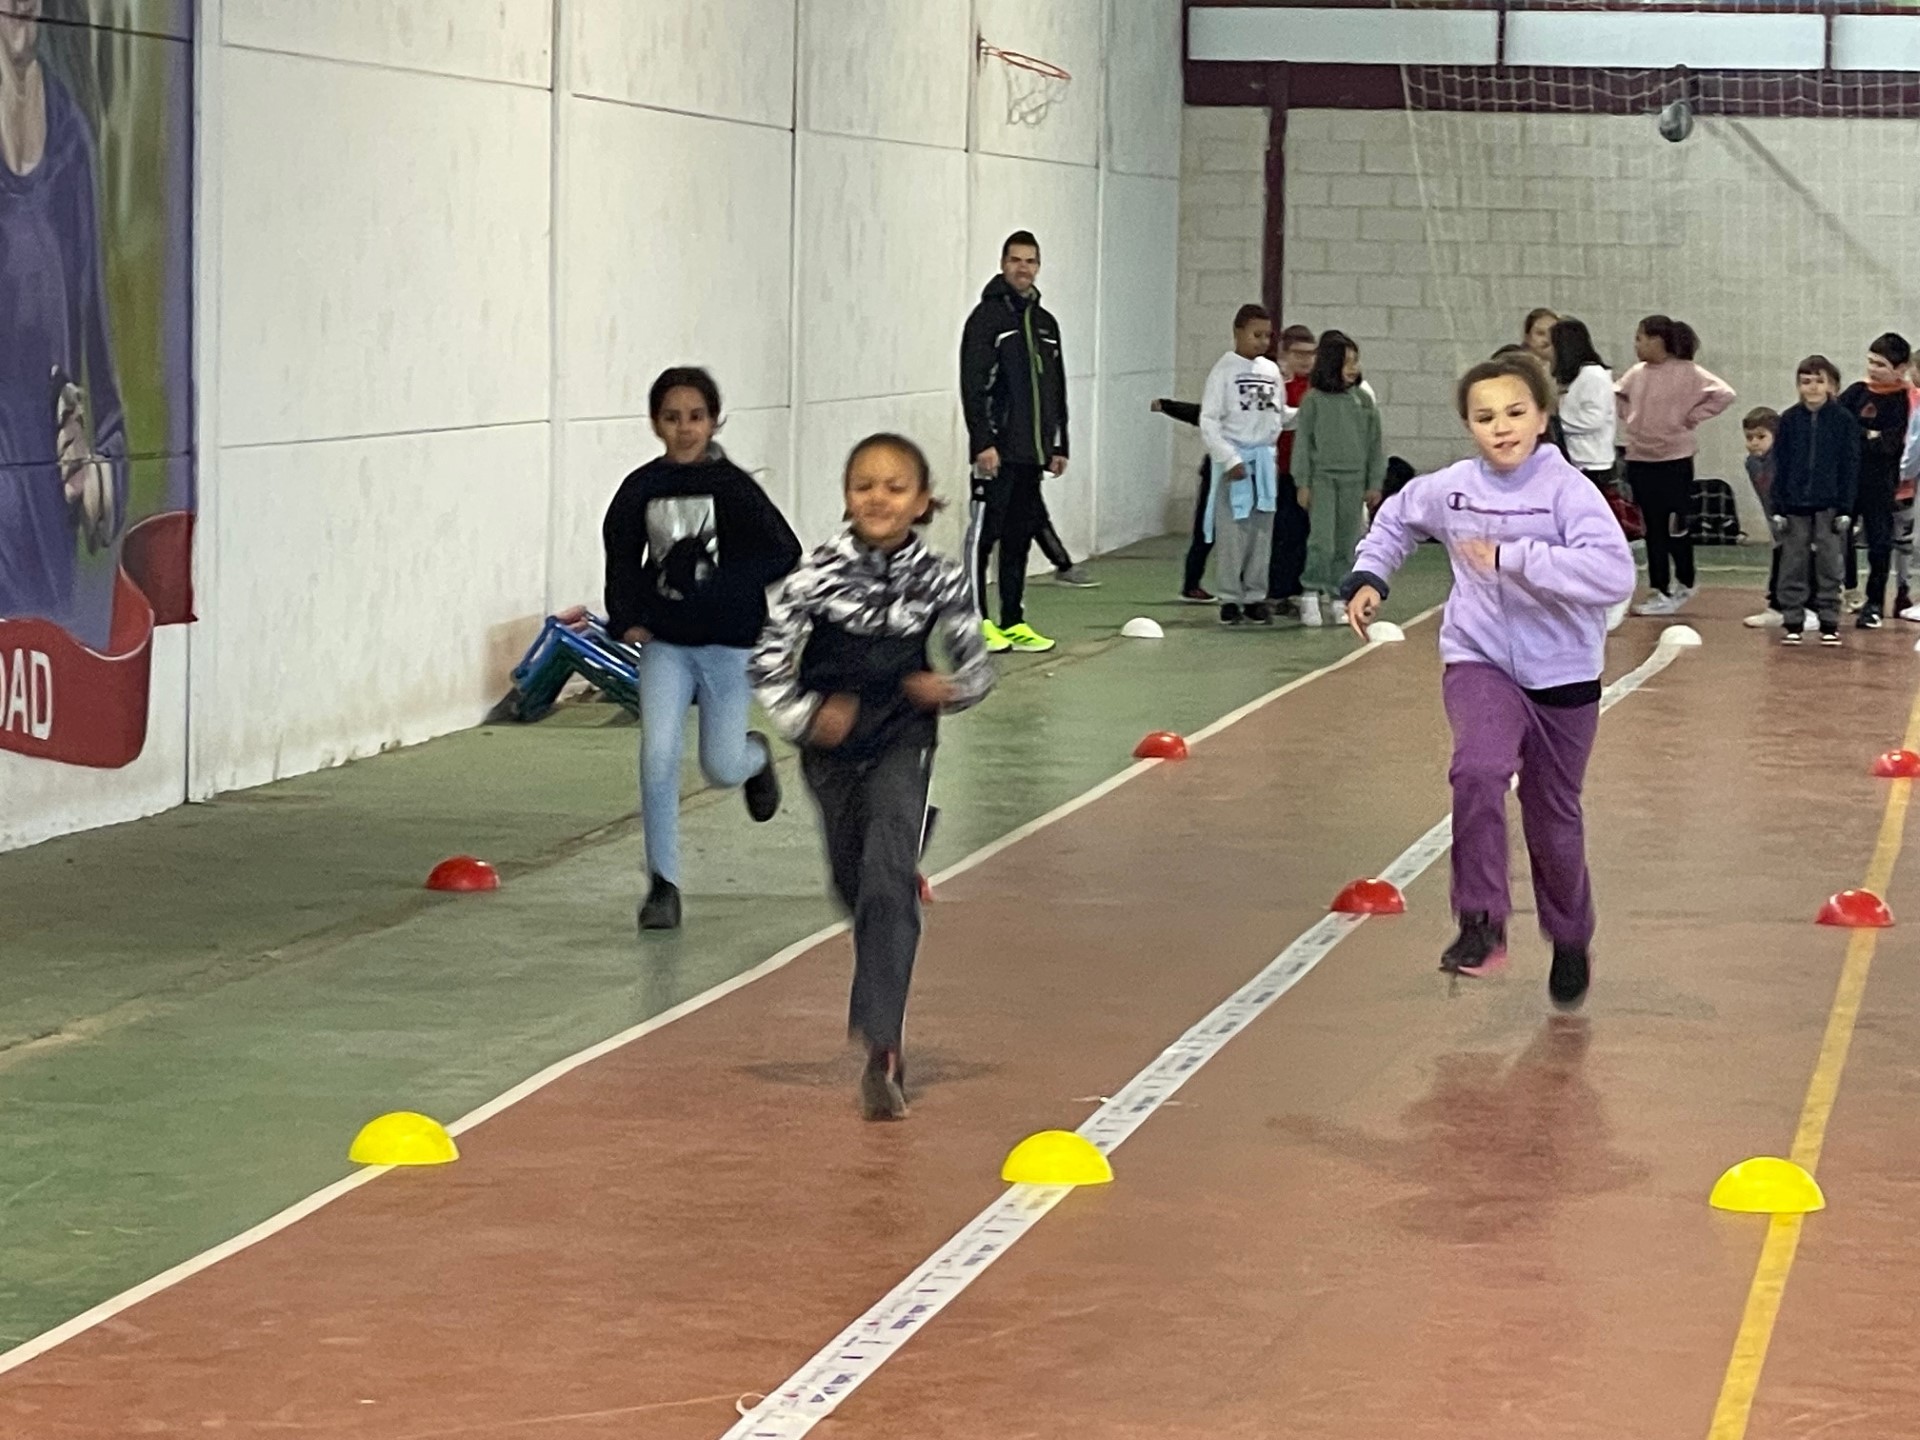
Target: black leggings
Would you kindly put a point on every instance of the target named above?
(1663, 489)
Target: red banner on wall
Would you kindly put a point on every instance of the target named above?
(64, 701)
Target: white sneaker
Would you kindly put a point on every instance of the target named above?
(1616, 615)
(1912, 612)
(1681, 595)
(1310, 612)
(1851, 601)
(1655, 604)
(1339, 612)
(1765, 620)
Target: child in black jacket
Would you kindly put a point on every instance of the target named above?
(692, 545)
(1815, 484)
(843, 669)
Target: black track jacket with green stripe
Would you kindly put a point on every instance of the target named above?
(1013, 380)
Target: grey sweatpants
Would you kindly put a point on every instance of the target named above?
(1242, 552)
(1811, 560)
(874, 812)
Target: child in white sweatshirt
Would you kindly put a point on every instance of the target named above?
(1242, 413)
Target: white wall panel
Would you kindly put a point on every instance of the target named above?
(1065, 32)
(1876, 42)
(1139, 275)
(1336, 36)
(883, 285)
(602, 453)
(1144, 88)
(676, 232)
(828, 431)
(1136, 454)
(1718, 42)
(728, 58)
(384, 250)
(508, 40)
(1060, 205)
(887, 71)
(1070, 497)
(419, 561)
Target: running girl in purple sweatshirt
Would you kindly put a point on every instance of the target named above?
(1537, 559)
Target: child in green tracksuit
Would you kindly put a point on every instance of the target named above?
(1339, 465)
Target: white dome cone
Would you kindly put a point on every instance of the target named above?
(1141, 628)
(1385, 632)
(1684, 636)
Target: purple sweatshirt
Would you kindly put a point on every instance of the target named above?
(52, 317)
(1541, 614)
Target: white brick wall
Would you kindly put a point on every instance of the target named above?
(1428, 237)
(1223, 216)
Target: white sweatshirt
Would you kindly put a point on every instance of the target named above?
(1243, 406)
(1588, 413)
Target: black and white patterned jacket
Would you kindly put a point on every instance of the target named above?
(855, 620)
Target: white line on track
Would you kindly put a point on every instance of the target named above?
(50, 1339)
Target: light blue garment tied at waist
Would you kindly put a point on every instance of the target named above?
(1258, 489)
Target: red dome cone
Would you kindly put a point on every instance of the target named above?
(464, 875)
(1161, 745)
(1897, 765)
(1856, 910)
(1370, 897)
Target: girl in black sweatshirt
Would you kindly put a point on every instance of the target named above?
(692, 545)
(844, 671)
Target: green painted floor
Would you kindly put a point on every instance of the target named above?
(198, 1011)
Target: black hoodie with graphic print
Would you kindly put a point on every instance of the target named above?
(1013, 380)
(691, 552)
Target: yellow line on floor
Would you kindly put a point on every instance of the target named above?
(1783, 1231)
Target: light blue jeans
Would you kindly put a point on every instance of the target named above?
(671, 677)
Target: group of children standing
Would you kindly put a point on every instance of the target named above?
(1295, 464)
(1837, 466)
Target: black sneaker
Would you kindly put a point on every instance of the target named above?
(1571, 974)
(1902, 602)
(1831, 637)
(1868, 619)
(1480, 948)
(762, 791)
(1230, 615)
(883, 1094)
(1792, 637)
(1259, 613)
(661, 909)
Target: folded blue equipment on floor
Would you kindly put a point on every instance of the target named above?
(565, 649)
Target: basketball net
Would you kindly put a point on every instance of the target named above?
(1034, 86)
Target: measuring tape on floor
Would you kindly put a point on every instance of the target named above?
(815, 1391)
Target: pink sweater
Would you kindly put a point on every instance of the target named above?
(1661, 404)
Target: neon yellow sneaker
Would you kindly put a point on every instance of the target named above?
(1024, 637)
(995, 637)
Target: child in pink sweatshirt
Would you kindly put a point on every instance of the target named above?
(1662, 400)
(1537, 560)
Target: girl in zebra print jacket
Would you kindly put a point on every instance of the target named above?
(844, 670)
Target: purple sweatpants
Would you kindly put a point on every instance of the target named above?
(1498, 732)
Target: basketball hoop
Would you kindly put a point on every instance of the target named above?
(1034, 86)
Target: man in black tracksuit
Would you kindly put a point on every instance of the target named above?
(1013, 390)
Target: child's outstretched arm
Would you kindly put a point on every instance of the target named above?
(1589, 565)
(774, 667)
(1396, 531)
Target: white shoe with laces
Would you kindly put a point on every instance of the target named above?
(1310, 612)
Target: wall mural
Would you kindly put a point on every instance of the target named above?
(96, 396)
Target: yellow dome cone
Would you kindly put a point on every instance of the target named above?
(403, 1138)
(1056, 1157)
(1767, 1186)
